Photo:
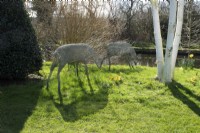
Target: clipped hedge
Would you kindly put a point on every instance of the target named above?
(19, 51)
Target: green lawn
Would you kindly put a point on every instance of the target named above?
(123, 101)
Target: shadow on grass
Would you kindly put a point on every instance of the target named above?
(17, 102)
(85, 105)
(176, 89)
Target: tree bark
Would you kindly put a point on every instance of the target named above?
(170, 39)
(158, 39)
(177, 38)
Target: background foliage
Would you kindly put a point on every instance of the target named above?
(99, 22)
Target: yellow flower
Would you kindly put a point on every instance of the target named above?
(191, 55)
(118, 78)
(115, 78)
(193, 80)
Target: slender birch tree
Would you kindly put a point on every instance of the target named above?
(177, 38)
(170, 39)
(158, 39)
(166, 70)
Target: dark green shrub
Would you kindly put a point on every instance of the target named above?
(19, 50)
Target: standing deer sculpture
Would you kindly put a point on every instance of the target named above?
(72, 53)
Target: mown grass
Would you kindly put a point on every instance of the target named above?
(123, 100)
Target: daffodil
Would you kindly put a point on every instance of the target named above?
(191, 55)
(118, 78)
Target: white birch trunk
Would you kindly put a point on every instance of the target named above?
(170, 39)
(177, 38)
(158, 39)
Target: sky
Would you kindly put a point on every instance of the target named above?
(103, 8)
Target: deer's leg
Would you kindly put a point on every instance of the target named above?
(58, 77)
(102, 61)
(133, 64)
(54, 64)
(88, 78)
(86, 72)
(76, 67)
(129, 63)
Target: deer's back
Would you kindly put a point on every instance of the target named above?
(79, 52)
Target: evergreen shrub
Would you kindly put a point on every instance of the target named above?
(20, 54)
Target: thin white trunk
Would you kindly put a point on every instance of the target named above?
(177, 38)
(158, 39)
(170, 39)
